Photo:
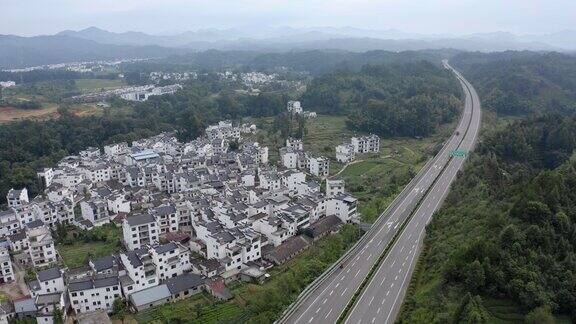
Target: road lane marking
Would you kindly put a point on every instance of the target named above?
(331, 292)
(317, 310)
(344, 291)
(369, 256)
(379, 309)
(325, 300)
(383, 279)
(357, 273)
(371, 300)
(311, 319)
(337, 284)
(388, 293)
(330, 311)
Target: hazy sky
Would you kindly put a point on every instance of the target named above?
(32, 17)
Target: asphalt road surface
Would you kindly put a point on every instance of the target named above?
(382, 297)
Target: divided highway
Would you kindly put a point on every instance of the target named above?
(325, 300)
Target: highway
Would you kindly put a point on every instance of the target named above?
(325, 300)
(382, 298)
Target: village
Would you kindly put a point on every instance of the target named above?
(194, 217)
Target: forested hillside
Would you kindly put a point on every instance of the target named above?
(410, 99)
(507, 232)
(316, 62)
(517, 83)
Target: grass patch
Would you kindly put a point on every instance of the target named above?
(97, 85)
(79, 245)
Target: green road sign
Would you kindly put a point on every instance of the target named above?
(458, 153)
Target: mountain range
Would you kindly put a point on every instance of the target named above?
(97, 44)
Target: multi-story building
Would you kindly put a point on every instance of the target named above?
(171, 260)
(319, 166)
(366, 144)
(94, 293)
(140, 271)
(47, 282)
(345, 153)
(41, 245)
(6, 270)
(343, 206)
(17, 198)
(294, 107)
(334, 188)
(140, 230)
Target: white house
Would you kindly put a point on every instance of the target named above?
(17, 198)
(345, 153)
(140, 271)
(294, 107)
(41, 246)
(94, 293)
(6, 270)
(366, 144)
(343, 206)
(47, 282)
(334, 188)
(171, 260)
(319, 166)
(140, 230)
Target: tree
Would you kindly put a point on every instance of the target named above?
(119, 306)
(540, 315)
(57, 316)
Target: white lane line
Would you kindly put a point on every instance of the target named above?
(325, 300)
(344, 291)
(317, 310)
(379, 309)
(337, 284)
(387, 293)
(311, 319)
(331, 292)
(369, 256)
(383, 279)
(357, 273)
(373, 319)
(371, 300)
(330, 311)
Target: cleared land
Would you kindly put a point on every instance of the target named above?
(11, 114)
(97, 85)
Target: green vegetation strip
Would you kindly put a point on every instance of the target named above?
(382, 256)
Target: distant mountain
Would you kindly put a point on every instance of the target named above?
(18, 51)
(289, 38)
(141, 39)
